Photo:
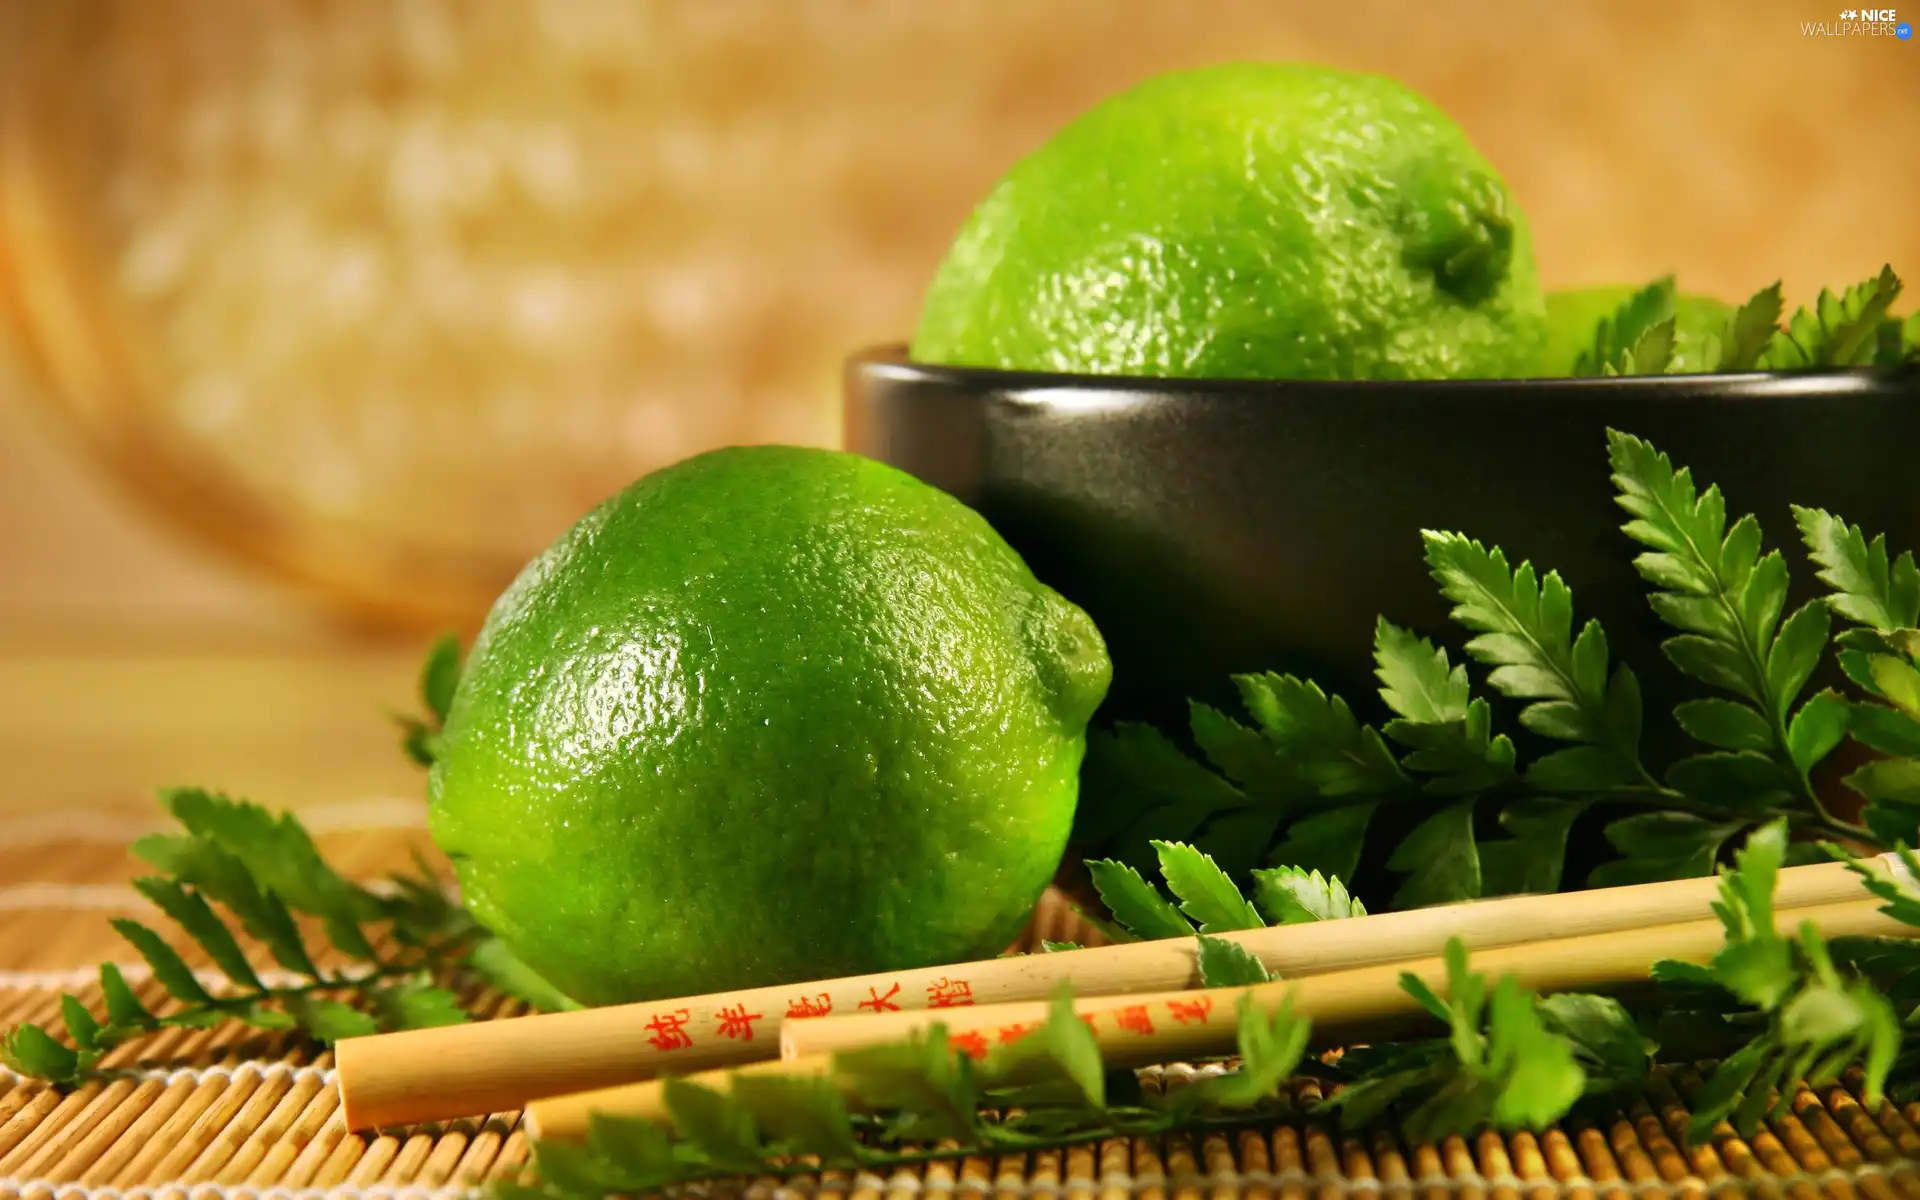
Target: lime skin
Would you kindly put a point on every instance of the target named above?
(769, 715)
(1253, 221)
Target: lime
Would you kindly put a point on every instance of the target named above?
(1699, 322)
(1245, 221)
(771, 714)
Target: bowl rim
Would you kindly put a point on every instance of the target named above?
(890, 361)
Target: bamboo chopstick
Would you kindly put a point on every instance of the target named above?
(495, 1066)
(1362, 1003)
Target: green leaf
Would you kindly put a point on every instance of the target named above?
(440, 675)
(1739, 781)
(1136, 904)
(568, 1171)
(1415, 679)
(1514, 1071)
(81, 1026)
(1074, 1049)
(921, 1075)
(1461, 758)
(492, 961)
(1718, 664)
(1892, 787)
(1532, 858)
(1756, 963)
(1715, 586)
(1206, 895)
(1525, 633)
(1890, 344)
(1578, 769)
(1448, 733)
(260, 1014)
(1652, 352)
(1387, 1076)
(1328, 842)
(416, 1005)
(1885, 729)
(1050, 1068)
(1606, 1040)
(1228, 964)
(1245, 756)
(802, 1114)
(1661, 845)
(1614, 339)
(1290, 896)
(1439, 859)
(1319, 737)
(719, 1129)
(32, 1051)
(1136, 785)
(1869, 588)
(1898, 681)
(419, 741)
(124, 1009)
(639, 1152)
(279, 854)
(199, 863)
(192, 914)
(1726, 1087)
(1047, 947)
(330, 1020)
(1237, 840)
(1750, 329)
(1836, 331)
(1727, 724)
(1819, 727)
(1796, 652)
(168, 967)
(1271, 1045)
(1539, 1073)
(420, 912)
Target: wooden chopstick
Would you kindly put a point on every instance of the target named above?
(496, 1066)
(1357, 1004)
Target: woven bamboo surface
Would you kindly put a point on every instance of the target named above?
(229, 1113)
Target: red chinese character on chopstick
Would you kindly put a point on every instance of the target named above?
(809, 1006)
(956, 993)
(1134, 1019)
(670, 1031)
(737, 1023)
(875, 1002)
(1090, 1021)
(971, 1042)
(1013, 1033)
(1191, 1012)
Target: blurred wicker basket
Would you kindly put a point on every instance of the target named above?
(387, 296)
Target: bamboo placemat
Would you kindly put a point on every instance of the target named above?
(228, 1113)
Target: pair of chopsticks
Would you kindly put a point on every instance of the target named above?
(1352, 1005)
(1343, 974)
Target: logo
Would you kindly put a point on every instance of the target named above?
(1860, 22)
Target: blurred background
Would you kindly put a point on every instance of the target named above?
(317, 319)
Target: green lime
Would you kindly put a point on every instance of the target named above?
(1245, 221)
(1699, 322)
(768, 715)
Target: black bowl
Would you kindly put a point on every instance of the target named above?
(1218, 526)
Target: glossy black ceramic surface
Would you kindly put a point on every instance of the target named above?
(1213, 527)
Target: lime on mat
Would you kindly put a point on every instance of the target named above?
(770, 714)
(1245, 221)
